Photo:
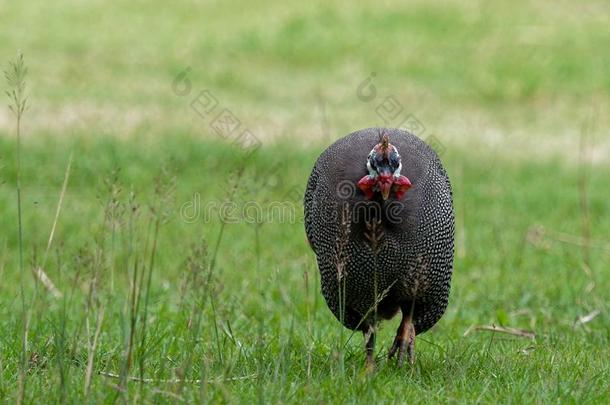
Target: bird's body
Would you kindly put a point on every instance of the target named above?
(378, 253)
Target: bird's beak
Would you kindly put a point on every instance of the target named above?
(385, 185)
(385, 190)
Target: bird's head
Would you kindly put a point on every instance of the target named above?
(384, 166)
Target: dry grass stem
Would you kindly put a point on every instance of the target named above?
(178, 380)
(502, 329)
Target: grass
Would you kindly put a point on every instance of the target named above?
(458, 66)
(267, 322)
(160, 299)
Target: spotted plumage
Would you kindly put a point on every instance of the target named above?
(378, 252)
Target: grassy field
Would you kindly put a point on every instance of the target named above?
(178, 263)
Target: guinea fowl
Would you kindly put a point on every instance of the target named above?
(379, 217)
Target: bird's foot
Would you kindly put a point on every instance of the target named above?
(404, 342)
(369, 337)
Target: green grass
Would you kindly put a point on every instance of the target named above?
(504, 88)
(268, 323)
(448, 62)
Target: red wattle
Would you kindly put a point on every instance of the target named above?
(366, 184)
(401, 185)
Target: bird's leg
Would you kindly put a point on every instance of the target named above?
(404, 340)
(369, 337)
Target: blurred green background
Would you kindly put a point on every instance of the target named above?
(514, 96)
(465, 69)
